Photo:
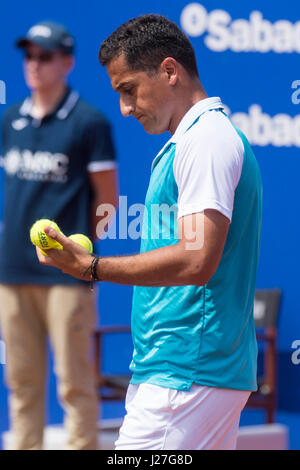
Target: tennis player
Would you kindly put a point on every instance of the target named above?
(194, 360)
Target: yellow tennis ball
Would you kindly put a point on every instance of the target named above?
(39, 238)
(83, 241)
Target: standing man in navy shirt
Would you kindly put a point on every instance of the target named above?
(59, 163)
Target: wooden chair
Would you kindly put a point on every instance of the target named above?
(109, 386)
(266, 308)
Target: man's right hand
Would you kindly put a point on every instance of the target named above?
(73, 259)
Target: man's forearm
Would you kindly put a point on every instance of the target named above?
(167, 266)
(188, 262)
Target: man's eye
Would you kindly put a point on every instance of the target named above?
(129, 91)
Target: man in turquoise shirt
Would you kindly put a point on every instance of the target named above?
(194, 361)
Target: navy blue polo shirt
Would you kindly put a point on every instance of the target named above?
(46, 165)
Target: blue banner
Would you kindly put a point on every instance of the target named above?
(247, 53)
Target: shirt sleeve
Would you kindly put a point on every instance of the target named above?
(207, 168)
(100, 146)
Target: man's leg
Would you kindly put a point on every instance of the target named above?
(71, 320)
(160, 418)
(24, 335)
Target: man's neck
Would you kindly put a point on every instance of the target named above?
(194, 93)
(46, 100)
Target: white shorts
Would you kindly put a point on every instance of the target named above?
(161, 418)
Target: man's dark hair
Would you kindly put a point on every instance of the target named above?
(146, 41)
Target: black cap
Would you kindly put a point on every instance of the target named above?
(50, 36)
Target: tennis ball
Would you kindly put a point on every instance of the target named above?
(39, 238)
(83, 241)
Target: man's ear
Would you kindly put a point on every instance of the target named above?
(70, 63)
(169, 67)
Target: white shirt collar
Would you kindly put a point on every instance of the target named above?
(26, 108)
(189, 118)
(193, 113)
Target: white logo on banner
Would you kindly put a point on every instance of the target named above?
(295, 94)
(2, 92)
(296, 354)
(280, 130)
(255, 34)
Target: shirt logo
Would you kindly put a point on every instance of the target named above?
(38, 166)
(20, 124)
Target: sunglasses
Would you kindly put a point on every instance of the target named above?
(43, 57)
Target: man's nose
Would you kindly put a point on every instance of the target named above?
(126, 107)
(33, 65)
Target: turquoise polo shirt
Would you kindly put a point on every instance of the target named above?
(201, 334)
